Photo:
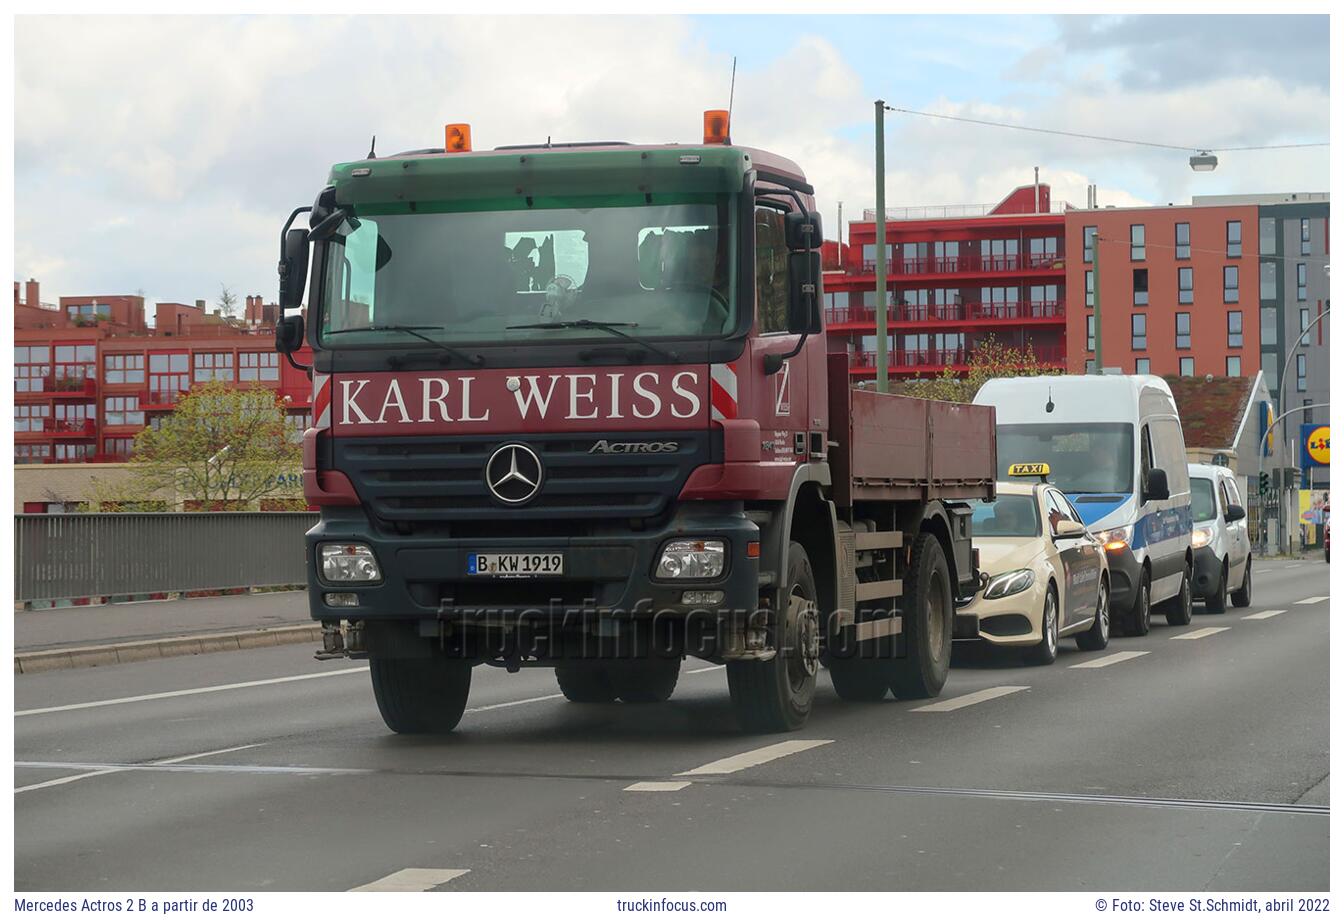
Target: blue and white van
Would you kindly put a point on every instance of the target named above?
(1115, 448)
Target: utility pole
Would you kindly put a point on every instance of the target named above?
(880, 108)
(1096, 301)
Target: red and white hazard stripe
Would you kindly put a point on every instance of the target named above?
(723, 391)
(321, 401)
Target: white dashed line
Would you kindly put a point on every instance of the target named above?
(61, 781)
(1203, 633)
(533, 699)
(713, 667)
(1314, 600)
(413, 880)
(657, 787)
(753, 758)
(1109, 660)
(1264, 614)
(970, 699)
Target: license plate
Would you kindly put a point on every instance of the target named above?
(515, 563)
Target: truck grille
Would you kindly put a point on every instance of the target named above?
(425, 480)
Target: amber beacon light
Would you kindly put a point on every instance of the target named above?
(457, 138)
(716, 126)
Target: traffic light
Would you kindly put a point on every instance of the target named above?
(1264, 482)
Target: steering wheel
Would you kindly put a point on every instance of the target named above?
(717, 309)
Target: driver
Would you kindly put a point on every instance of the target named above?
(1098, 472)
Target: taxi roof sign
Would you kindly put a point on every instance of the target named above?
(1030, 469)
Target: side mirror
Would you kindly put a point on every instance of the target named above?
(804, 292)
(1234, 513)
(1157, 489)
(289, 334)
(802, 230)
(293, 269)
(1068, 527)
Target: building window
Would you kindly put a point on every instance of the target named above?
(263, 365)
(1138, 332)
(1269, 326)
(1303, 321)
(998, 255)
(210, 365)
(118, 447)
(30, 418)
(122, 410)
(1187, 367)
(1140, 287)
(73, 453)
(1269, 280)
(1091, 289)
(1044, 251)
(1308, 416)
(32, 453)
(1234, 366)
(1234, 330)
(168, 375)
(1089, 236)
(1230, 289)
(1186, 283)
(870, 256)
(1182, 241)
(124, 368)
(1269, 363)
(1142, 365)
(1306, 237)
(1301, 373)
(32, 367)
(1137, 250)
(1301, 281)
(296, 423)
(74, 365)
(1233, 239)
(1269, 243)
(1091, 333)
(74, 415)
(1182, 330)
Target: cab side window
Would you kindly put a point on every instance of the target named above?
(1057, 510)
(1145, 458)
(772, 271)
(1223, 500)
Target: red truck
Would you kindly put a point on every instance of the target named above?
(573, 408)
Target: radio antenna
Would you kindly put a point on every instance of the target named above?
(732, 85)
(372, 143)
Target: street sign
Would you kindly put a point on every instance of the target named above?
(1315, 445)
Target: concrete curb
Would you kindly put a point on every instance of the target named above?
(91, 656)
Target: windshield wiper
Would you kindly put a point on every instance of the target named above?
(613, 328)
(417, 332)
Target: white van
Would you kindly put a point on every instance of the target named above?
(1115, 448)
(1221, 541)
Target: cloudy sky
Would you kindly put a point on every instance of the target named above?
(162, 154)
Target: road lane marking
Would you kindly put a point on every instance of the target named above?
(1109, 660)
(534, 699)
(657, 787)
(1264, 614)
(713, 667)
(61, 781)
(1314, 600)
(192, 692)
(754, 758)
(970, 699)
(1203, 633)
(413, 880)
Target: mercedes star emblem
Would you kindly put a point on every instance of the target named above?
(513, 474)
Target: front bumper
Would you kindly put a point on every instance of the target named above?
(425, 576)
(1125, 571)
(1208, 571)
(1012, 621)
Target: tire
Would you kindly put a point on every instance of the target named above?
(1242, 596)
(860, 680)
(927, 623)
(1180, 608)
(1217, 601)
(1141, 614)
(776, 695)
(1047, 650)
(649, 681)
(1098, 634)
(585, 684)
(421, 696)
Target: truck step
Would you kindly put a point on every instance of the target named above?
(885, 539)
(872, 590)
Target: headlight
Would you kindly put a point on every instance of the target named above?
(1202, 536)
(1009, 583)
(691, 559)
(1119, 538)
(349, 562)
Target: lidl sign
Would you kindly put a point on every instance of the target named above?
(1315, 445)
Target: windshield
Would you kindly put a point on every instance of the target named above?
(1082, 458)
(659, 270)
(1006, 516)
(1202, 507)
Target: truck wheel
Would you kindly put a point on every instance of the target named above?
(1099, 633)
(1217, 601)
(1047, 650)
(1179, 608)
(418, 696)
(585, 684)
(860, 680)
(646, 681)
(1141, 615)
(926, 612)
(1242, 596)
(776, 695)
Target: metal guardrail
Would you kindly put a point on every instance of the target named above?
(101, 555)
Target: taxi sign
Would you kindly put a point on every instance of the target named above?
(1030, 469)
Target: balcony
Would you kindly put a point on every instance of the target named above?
(69, 387)
(159, 399)
(972, 312)
(914, 361)
(971, 264)
(69, 428)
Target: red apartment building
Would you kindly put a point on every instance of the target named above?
(956, 275)
(89, 373)
(1179, 289)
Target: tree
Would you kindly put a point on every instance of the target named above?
(222, 447)
(228, 301)
(988, 360)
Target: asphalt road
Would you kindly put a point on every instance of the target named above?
(1200, 764)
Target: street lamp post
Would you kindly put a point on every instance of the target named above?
(880, 109)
